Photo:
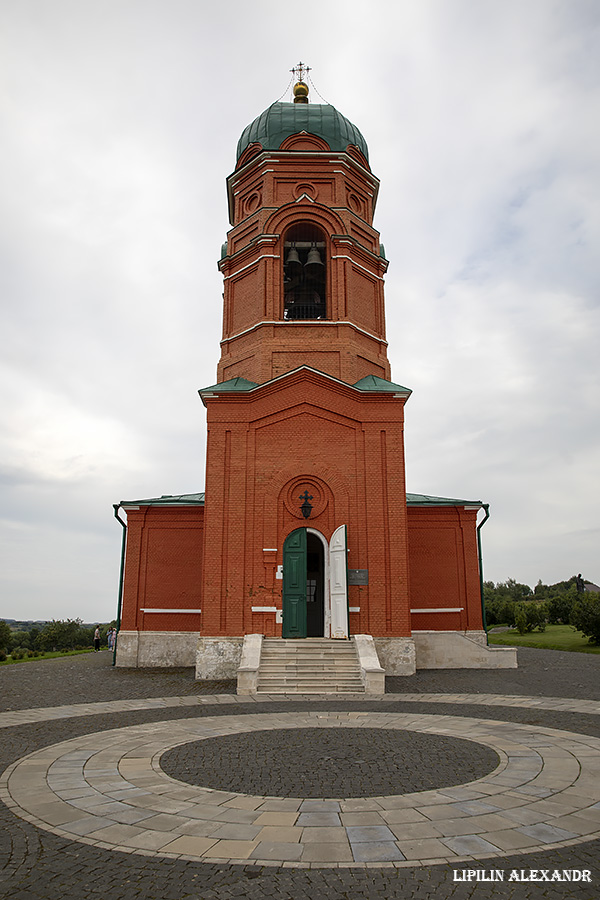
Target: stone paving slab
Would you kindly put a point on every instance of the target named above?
(42, 714)
(121, 766)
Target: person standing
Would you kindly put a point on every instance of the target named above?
(97, 639)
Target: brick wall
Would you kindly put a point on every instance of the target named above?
(444, 568)
(303, 432)
(163, 568)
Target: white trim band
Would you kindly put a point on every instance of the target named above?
(264, 609)
(255, 263)
(439, 609)
(311, 322)
(358, 265)
(153, 610)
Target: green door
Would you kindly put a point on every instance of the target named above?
(294, 585)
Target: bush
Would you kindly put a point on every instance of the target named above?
(585, 617)
(20, 639)
(18, 653)
(521, 619)
(5, 635)
(2, 655)
(500, 611)
(530, 615)
(64, 634)
(560, 606)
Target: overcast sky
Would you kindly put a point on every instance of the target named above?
(120, 120)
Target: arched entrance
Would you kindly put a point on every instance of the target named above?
(304, 584)
(315, 602)
(315, 585)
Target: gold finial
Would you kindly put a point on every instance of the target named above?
(300, 89)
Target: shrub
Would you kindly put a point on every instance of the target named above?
(521, 619)
(63, 634)
(560, 606)
(499, 611)
(5, 635)
(2, 655)
(585, 617)
(530, 615)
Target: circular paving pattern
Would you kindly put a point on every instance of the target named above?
(329, 762)
(108, 789)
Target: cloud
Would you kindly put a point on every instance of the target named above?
(122, 120)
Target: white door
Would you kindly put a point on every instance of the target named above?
(338, 583)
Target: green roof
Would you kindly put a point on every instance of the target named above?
(375, 383)
(198, 500)
(234, 384)
(281, 120)
(168, 500)
(429, 500)
(369, 383)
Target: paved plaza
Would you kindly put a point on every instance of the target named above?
(146, 784)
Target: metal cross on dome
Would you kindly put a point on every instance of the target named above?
(300, 70)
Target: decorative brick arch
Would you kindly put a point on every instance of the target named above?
(353, 151)
(303, 140)
(321, 216)
(249, 153)
(331, 504)
(291, 493)
(312, 215)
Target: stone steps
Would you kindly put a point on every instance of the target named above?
(309, 666)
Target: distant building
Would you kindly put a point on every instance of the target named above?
(305, 528)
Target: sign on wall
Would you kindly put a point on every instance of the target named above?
(358, 576)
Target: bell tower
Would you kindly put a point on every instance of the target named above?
(303, 266)
(305, 453)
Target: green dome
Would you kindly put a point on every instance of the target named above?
(281, 120)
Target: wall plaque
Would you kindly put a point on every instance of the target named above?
(358, 576)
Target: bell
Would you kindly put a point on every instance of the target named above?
(313, 265)
(292, 263)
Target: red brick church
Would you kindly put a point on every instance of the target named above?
(305, 528)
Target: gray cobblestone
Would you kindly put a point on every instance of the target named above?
(36, 864)
(313, 762)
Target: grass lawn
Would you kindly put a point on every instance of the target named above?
(555, 637)
(50, 655)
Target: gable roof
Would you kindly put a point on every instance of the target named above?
(430, 500)
(370, 383)
(168, 500)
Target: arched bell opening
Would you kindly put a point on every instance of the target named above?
(304, 273)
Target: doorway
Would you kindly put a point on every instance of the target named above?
(315, 586)
(305, 593)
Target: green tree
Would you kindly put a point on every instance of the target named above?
(517, 591)
(537, 616)
(560, 606)
(506, 590)
(585, 617)
(5, 636)
(529, 616)
(520, 619)
(64, 634)
(20, 639)
(34, 637)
